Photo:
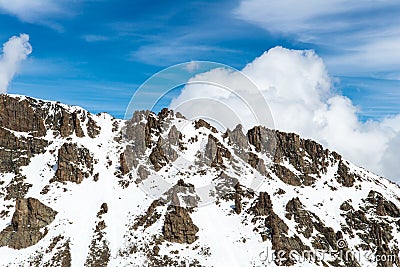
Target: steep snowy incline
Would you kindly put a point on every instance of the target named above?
(78, 189)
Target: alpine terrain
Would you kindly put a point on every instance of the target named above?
(78, 189)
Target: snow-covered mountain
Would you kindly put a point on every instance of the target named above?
(78, 189)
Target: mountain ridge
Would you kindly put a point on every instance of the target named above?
(271, 192)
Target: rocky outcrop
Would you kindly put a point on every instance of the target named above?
(287, 176)
(238, 198)
(18, 115)
(69, 124)
(274, 228)
(215, 152)
(157, 156)
(36, 117)
(62, 255)
(74, 164)
(225, 186)
(306, 156)
(237, 138)
(174, 136)
(152, 127)
(312, 227)
(142, 173)
(263, 140)
(344, 176)
(134, 134)
(99, 252)
(17, 188)
(16, 151)
(123, 164)
(374, 231)
(257, 163)
(383, 207)
(203, 124)
(93, 130)
(376, 236)
(187, 195)
(302, 217)
(263, 205)
(29, 219)
(178, 226)
(140, 132)
(151, 215)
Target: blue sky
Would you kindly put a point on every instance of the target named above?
(95, 53)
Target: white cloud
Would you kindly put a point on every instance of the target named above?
(288, 16)
(302, 99)
(365, 33)
(294, 17)
(14, 52)
(31, 11)
(172, 52)
(374, 55)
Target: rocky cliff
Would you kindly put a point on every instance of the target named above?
(78, 189)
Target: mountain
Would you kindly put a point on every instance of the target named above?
(78, 189)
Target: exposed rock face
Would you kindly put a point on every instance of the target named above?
(383, 207)
(70, 123)
(141, 131)
(74, 163)
(124, 166)
(29, 218)
(92, 128)
(142, 173)
(151, 215)
(187, 195)
(374, 231)
(301, 216)
(62, 257)
(17, 188)
(225, 186)
(371, 225)
(18, 115)
(311, 227)
(309, 158)
(215, 152)
(152, 127)
(178, 226)
(296, 151)
(36, 117)
(286, 175)
(99, 252)
(276, 230)
(17, 151)
(344, 176)
(262, 139)
(238, 198)
(135, 135)
(263, 205)
(169, 145)
(256, 163)
(202, 123)
(157, 156)
(174, 136)
(238, 138)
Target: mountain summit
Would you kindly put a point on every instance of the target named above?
(78, 189)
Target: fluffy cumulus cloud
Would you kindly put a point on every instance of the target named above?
(15, 51)
(302, 99)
